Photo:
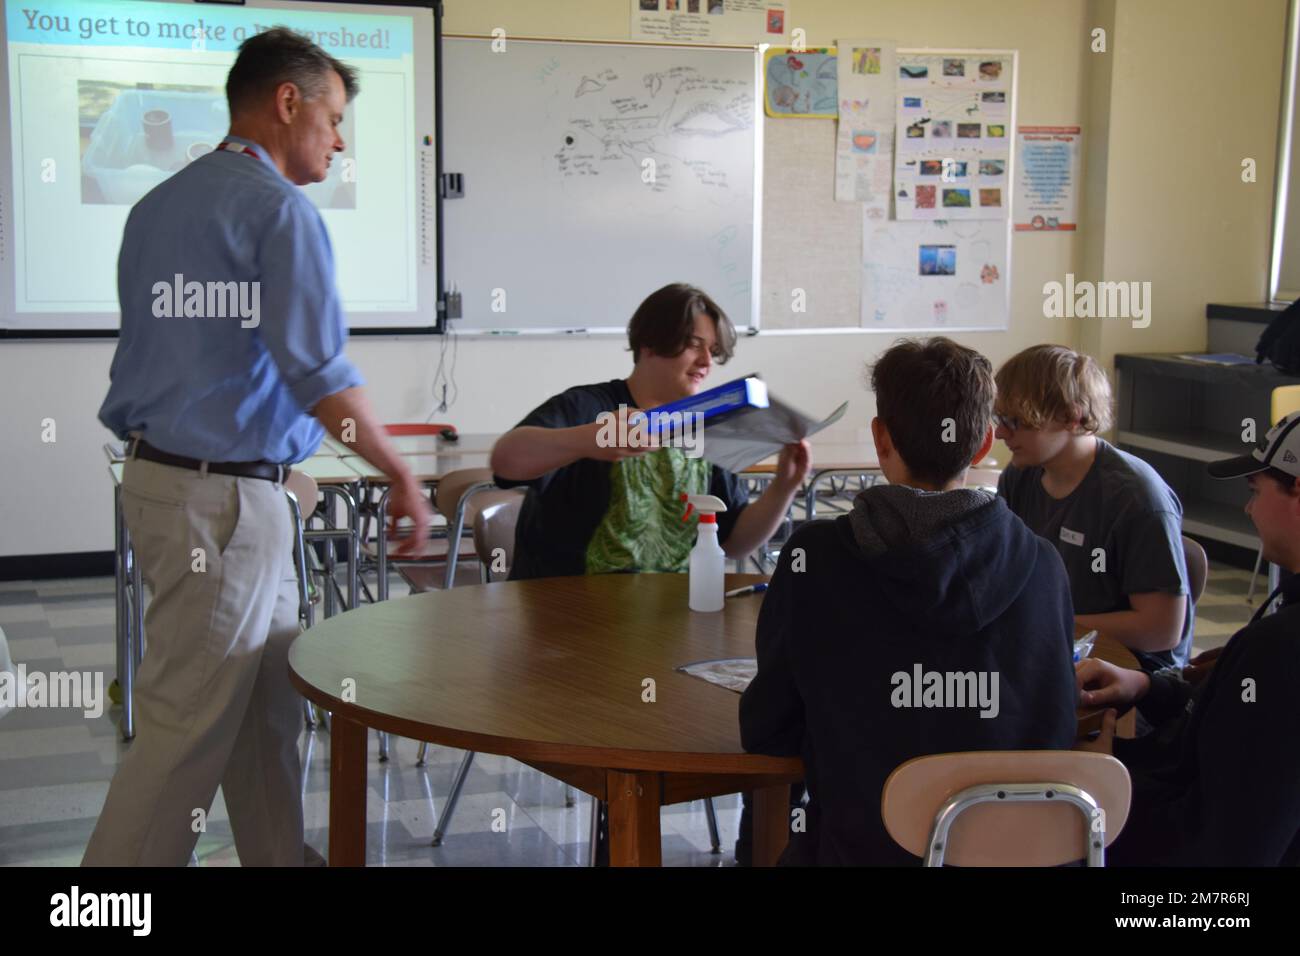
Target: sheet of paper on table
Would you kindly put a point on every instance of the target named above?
(746, 437)
(733, 673)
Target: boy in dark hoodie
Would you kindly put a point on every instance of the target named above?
(928, 620)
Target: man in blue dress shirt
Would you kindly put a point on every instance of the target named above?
(229, 368)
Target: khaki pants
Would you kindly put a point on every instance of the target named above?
(213, 700)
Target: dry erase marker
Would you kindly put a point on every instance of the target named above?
(752, 589)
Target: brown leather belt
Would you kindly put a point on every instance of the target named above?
(265, 470)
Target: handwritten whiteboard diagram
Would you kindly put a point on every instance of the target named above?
(595, 174)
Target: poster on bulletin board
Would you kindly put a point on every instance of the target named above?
(944, 264)
(953, 135)
(710, 21)
(1047, 178)
(801, 83)
(934, 276)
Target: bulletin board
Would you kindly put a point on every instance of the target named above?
(889, 275)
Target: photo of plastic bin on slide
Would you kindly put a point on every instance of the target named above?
(135, 136)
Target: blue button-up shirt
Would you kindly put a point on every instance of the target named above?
(232, 328)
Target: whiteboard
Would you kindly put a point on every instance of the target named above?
(594, 174)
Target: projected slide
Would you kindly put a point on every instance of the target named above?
(108, 98)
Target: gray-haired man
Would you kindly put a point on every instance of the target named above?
(217, 408)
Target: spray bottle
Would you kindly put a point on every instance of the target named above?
(708, 560)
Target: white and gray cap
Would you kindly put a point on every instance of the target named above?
(1280, 449)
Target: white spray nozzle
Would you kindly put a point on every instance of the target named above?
(704, 504)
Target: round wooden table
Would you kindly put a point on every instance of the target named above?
(573, 676)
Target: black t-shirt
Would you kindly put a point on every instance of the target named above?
(595, 516)
(1119, 533)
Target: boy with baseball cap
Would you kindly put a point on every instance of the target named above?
(1218, 783)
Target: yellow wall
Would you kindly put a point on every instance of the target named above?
(1197, 89)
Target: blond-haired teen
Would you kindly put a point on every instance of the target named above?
(1112, 518)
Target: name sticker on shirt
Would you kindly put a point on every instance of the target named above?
(1071, 537)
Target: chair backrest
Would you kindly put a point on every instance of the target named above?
(418, 428)
(1010, 832)
(1286, 399)
(494, 528)
(453, 485)
(303, 487)
(1198, 568)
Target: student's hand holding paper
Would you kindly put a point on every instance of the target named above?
(621, 434)
(792, 465)
(1102, 684)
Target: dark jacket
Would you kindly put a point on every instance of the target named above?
(1217, 783)
(948, 582)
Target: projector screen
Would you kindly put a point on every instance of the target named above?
(104, 99)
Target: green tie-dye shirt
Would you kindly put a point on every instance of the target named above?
(643, 528)
(594, 516)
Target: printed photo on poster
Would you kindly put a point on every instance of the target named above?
(938, 260)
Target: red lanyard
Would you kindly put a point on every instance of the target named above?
(238, 148)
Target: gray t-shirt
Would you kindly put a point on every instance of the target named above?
(1125, 509)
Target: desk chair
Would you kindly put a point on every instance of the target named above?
(1007, 808)
(1285, 400)
(457, 498)
(494, 536)
(418, 428)
(401, 429)
(300, 489)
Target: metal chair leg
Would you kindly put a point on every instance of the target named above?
(444, 818)
(424, 750)
(309, 715)
(595, 831)
(383, 746)
(570, 798)
(711, 818)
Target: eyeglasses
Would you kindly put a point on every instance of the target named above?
(1009, 423)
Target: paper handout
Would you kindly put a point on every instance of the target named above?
(746, 437)
(733, 673)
